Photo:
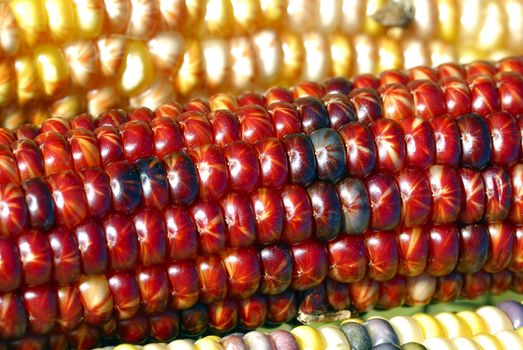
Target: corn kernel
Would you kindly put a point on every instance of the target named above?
(293, 56)
(137, 69)
(52, 68)
(89, 18)
(189, 76)
(111, 52)
(342, 56)
(269, 54)
(430, 325)
(118, 15)
(31, 19)
(144, 18)
(82, 57)
(27, 78)
(9, 31)
(62, 20)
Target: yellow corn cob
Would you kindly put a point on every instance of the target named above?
(70, 56)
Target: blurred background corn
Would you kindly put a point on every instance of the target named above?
(63, 57)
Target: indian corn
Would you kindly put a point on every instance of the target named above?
(377, 192)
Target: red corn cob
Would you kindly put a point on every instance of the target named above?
(112, 224)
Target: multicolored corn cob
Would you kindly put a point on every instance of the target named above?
(237, 211)
(63, 57)
(488, 327)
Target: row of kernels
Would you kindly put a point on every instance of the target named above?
(190, 66)
(482, 22)
(95, 300)
(487, 328)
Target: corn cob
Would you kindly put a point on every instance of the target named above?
(499, 326)
(158, 50)
(51, 198)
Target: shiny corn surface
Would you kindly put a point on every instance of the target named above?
(402, 188)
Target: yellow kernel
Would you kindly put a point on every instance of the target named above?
(493, 31)
(334, 338)
(9, 31)
(425, 19)
(27, 78)
(209, 343)
(61, 19)
(430, 326)
(453, 326)
(216, 62)
(487, 342)
(353, 13)
(243, 63)
(189, 76)
(137, 69)
(95, 294)
(329, 15)
(317, 59)
(342, 55)
(89, 18)
(365, 51)
(293, 56)
(470, 20)
(474, 321)
(448, 20)
(407, 329)
(218, 18)
(389, 54)
(269, 54)
(246, 14)
(52, 68)
(415, 53)
(308, 338)
(31, 19)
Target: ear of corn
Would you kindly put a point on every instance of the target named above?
(244, 210)
(63, 57)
